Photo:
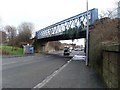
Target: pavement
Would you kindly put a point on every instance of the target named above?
(74, 75)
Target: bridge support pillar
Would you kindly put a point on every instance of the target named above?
(40, 46)
(43, 47)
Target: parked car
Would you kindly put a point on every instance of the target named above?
(66, 51)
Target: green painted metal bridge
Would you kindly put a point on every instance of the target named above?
(71, 28)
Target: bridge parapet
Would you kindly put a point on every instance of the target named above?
(58, 28)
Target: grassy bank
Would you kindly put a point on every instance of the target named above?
(9, 50)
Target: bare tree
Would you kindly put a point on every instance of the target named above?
(11, 34)
(111, 13)
(25, 32)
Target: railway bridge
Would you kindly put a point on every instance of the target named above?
(70, 28)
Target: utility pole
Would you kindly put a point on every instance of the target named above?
(87, 32)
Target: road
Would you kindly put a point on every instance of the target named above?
(26, 72)
(71, 54)
(47, 71)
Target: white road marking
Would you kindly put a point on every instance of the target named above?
(9, 63)
(47, 79)
(79, 57)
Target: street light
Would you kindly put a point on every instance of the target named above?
(87, 32)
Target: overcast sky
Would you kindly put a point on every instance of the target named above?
(43, 13)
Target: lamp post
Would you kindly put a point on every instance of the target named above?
(87, 32)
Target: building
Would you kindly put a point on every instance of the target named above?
(2, 37)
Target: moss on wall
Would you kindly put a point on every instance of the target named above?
(105, 32)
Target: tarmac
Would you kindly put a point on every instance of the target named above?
(76, 75)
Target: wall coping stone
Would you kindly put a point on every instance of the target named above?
(112, 47)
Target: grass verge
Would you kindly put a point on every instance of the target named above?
(11, 50)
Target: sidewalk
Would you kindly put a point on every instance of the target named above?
(75, 75)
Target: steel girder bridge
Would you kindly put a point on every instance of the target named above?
(71, 28)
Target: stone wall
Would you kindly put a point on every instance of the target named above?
(44, 46)
(39, 46)
(49, 48)
(111, 65)
(105, 32)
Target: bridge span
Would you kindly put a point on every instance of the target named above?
(71, 28)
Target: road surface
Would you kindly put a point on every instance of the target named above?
(47, 71)
(26, 72)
